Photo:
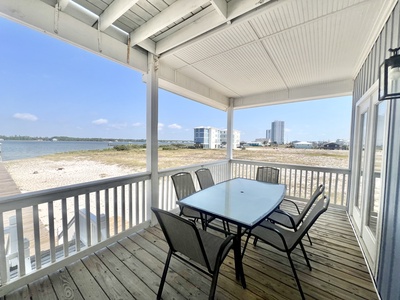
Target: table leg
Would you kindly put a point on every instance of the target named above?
(238, 257)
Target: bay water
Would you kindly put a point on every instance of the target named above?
(12, 150)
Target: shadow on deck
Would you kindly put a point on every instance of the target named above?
(131, 269)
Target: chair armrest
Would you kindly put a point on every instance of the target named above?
(222, 248)
(291, 201)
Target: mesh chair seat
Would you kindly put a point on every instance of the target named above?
(184, 187)
(293, 221)
(287, 241)
(267, 174)
(191, 244)
(205, 178)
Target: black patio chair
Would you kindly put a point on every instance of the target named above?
(193, 246)
(293, 221)
(267, 174)
(205, 178)
(286, 240)
(184, 187)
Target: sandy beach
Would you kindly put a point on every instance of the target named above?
(39, 173)
(45, 172)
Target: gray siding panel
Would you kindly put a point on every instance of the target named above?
(387, 278)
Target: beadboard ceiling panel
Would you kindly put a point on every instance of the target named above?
(254, 52)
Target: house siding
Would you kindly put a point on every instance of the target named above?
(389, 253)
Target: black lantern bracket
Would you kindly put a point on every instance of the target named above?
(389, 76)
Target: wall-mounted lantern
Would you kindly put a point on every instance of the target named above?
(389, 76)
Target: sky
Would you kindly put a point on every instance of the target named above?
(51, 88)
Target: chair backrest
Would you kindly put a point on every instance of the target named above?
(318, 191)
(182, 236)
(205, 178)
(319, 208)
(183, 184)
(267, 174)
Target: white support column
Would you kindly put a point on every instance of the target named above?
(229, 138)
(152, 131)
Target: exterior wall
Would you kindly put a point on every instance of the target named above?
(212, 138)
(389, 253)
(235, 140)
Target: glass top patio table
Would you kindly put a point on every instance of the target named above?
(240, 201)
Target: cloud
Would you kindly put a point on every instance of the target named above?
(160, 126)
(100, 121)
(137, 124)
(175, 126)
(25, 116)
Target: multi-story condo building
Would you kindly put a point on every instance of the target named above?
(277, 132)
(224, 138)
(268, 134)
(211, 138)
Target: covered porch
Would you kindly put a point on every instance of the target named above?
(122, 254)
(131, 269)
(229, 55)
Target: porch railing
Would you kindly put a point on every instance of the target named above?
(167, 197)
(301, 181)
(43, 231)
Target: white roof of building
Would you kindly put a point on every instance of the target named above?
(303, 143)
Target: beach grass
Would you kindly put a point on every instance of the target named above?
(170, 157)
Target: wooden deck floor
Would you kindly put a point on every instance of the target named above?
(131, 269)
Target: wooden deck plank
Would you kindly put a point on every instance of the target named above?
(64, 286)
(141, 270)
(177, 281)
(85, 282)
(20, 294)
(106, 279)
(135, 286)
(42, 289)
(132, 268)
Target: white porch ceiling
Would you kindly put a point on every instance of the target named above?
(255, 52)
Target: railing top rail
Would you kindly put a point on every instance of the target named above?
(292, 166)
(43, 196)
(171, 171)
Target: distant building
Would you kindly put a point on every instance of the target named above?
(254, 143)
(223, 134)
(212, 138)
(268, 134)
(263, 141)
(277, 132)
(303, 145)
(331, 146)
